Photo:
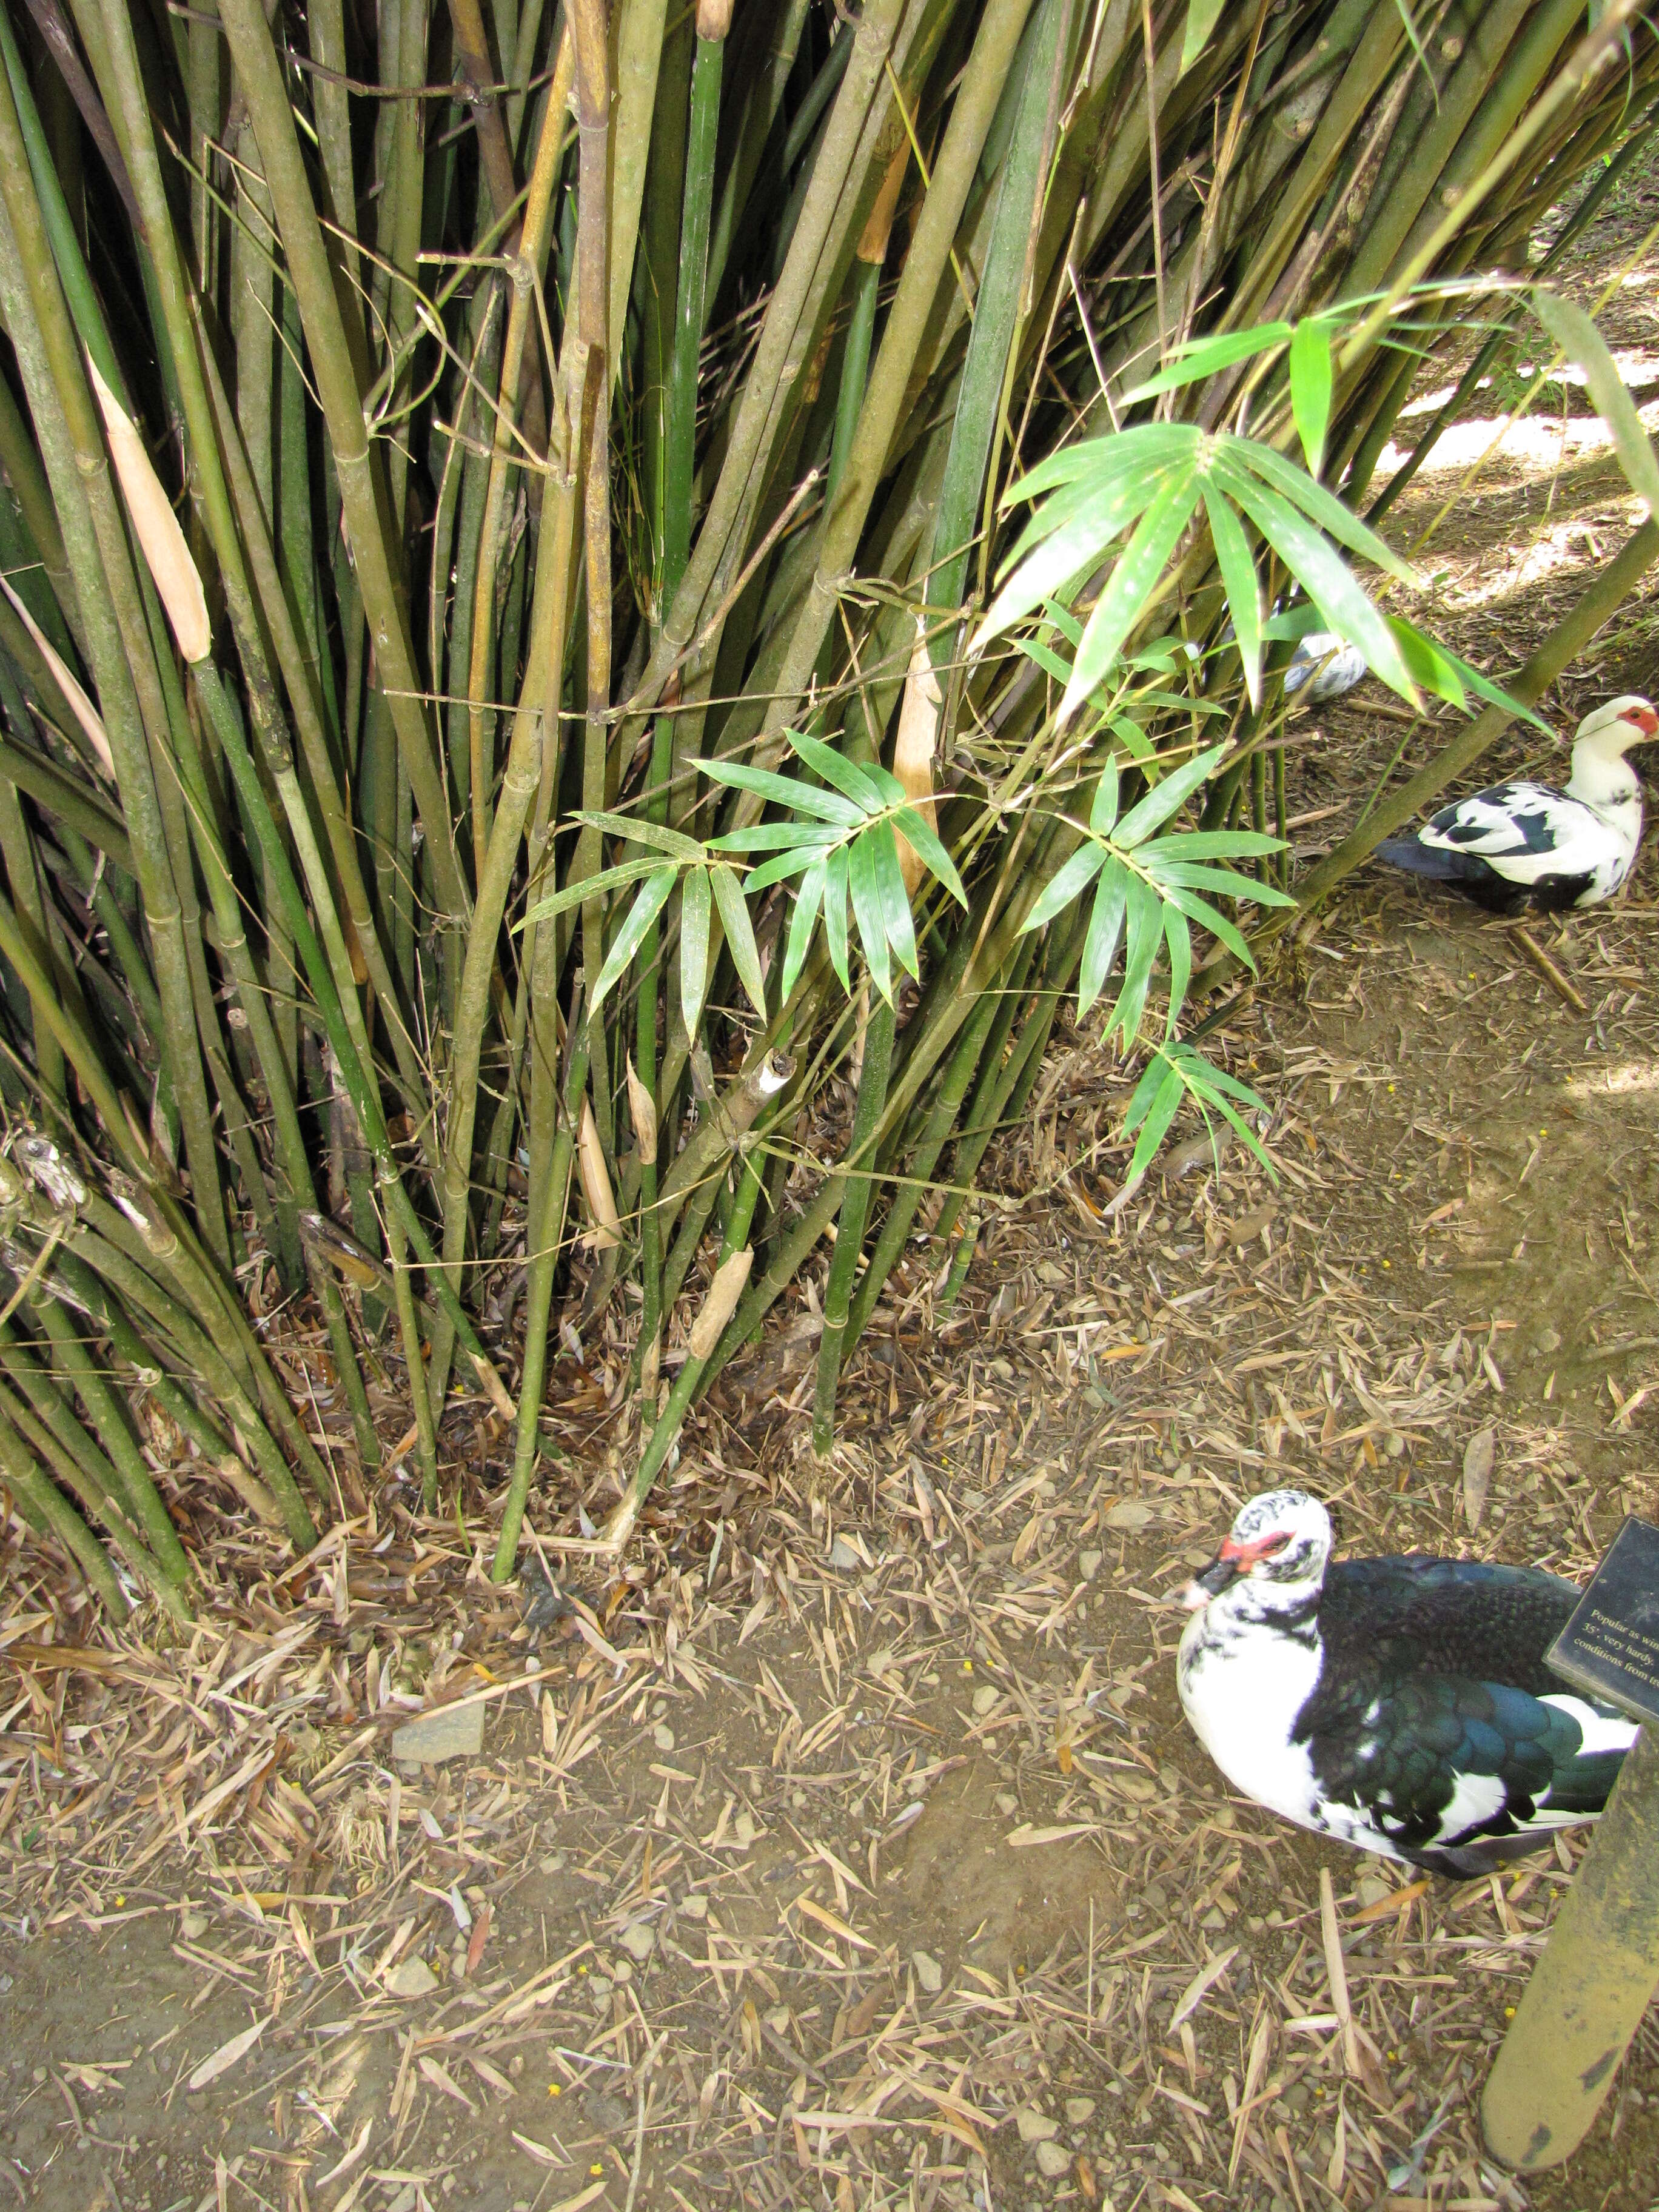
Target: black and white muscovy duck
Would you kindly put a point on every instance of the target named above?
(1400, 1705)
(1324, 666)
(1522, 844)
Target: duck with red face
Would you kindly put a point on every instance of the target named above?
(1402, 1705)
(1525, 844)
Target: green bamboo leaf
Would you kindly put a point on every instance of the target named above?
(1104, 811)
(694, 948)
(1071, 550)
(1163, 799)
(1179, 939)
(868, 911)
(1202, 357)
(653, 898)
(895, 899)
(834, 914)
(1238, 578)
(1100, 947)
(1583, 344)
(1049, 662)
(808, 900)
(1144, 919)
(608, 879)
(1131, 583)
(778, 871)
(1166, 1102)
(1437, 659)
(837, 771)
(1218, 1081)
(1073, 875)
(1310, 389)
(786, 791)
(1187, 875)
(1320, 507)
(1178, 703)
(638, 831)
(1092, 461)
(1141, 746)
(1245, 1129)
(1151, 1076)
(932, 855)
(1328, 581)
(1200, 911)
(1214, 845)
(775, 836)
(1202, 16)
(739, 935)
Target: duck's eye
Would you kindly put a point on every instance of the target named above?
(1273, 1546)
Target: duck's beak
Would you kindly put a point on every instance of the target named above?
(1230, 1564)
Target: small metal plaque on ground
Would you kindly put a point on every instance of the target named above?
(1610, 1648)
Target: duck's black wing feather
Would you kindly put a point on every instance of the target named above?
(1458, 1616)
(1428, 1709)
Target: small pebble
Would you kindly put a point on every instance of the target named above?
(929, 1972)
(1080, 2109)
(1034, 2126)
(663, 1736)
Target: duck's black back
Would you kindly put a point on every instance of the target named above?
(1386, 1620)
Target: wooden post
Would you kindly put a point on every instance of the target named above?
(1591, 1984)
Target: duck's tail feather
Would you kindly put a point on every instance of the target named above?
(1420, 859)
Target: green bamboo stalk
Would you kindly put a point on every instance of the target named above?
(356, 465)
(72, 447)
(94, 1261)
(57, 1440)
(850, 1221)
(51, 1511)
(543, 1220)
(421, 1397)
(142, 1500)
(925, 265)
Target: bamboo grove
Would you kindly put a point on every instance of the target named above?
(506, 773)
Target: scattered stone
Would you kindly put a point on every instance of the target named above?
(1372, 1889)
(663, 1736)
(696, 1907)
(1007, 1802)
(621, 1971)
(843, 1557)
(1052, 2160)
(929, 1972)
(1080, 2109)
(192, 1924)
(411, 1978)
(1088, 1565)
(599, 1989)
(984, 1699)
(638, 1940)
(1034, 2126)
(452, 1732)
(1130, 1516)
(744, 1828)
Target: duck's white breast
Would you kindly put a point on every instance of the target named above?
(1242, 1686)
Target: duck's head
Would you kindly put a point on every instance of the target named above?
(1612, 730)
(1280, 1543)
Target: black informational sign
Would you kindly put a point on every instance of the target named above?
(1610, 1648)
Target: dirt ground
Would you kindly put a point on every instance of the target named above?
(852, 1851)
